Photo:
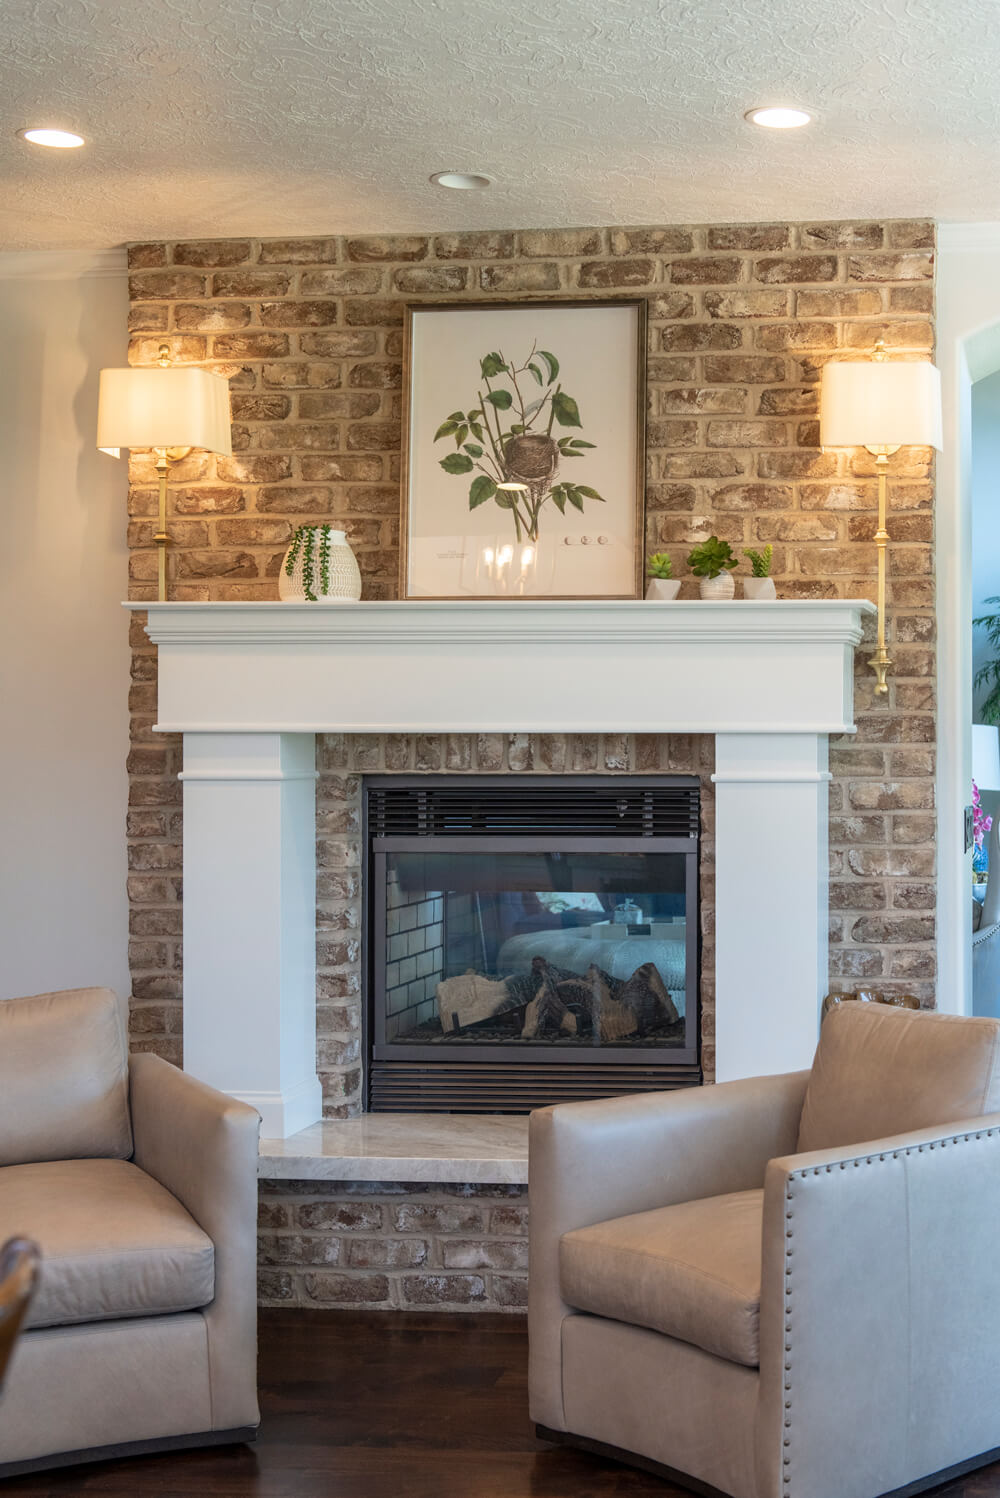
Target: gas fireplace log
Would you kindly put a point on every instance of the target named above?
(472, 998)
(607, 1008)
(646, 993)
(556, 1001)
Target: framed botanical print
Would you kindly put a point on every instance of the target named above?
(524, 450)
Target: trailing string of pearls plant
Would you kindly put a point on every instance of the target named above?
(319, 566)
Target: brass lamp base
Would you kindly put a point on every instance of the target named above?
(881, 661)
(164, 457)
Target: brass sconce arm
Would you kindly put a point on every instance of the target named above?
(881, 661)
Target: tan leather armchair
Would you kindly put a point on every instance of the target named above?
(784, 1287)
(140, 1186)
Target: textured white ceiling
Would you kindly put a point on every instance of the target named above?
(229, 117)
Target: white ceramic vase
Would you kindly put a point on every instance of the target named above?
(759, 587)
(722, 586)
(320, 567)
(662, 589)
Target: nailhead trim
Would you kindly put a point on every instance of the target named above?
(786, 1476)
(816, 1170)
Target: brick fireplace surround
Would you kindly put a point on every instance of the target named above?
(309, 331)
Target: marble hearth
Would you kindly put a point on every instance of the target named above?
(250, 685)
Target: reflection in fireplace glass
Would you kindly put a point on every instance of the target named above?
(539, 949)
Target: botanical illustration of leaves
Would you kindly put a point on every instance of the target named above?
(551, 361)
(574, 496)
(589, 493)
(483, 488)
(501, 399)
(476, 431)
(577, 442)
(515, 431)
(536, 372)
(472, 416)
(533, 406)
(567, 413)
(491, 366)
(461, 434)
(559, 498)
(456, 463)
(446, 429)
(457, 416)
(504, 500)
(473, 449)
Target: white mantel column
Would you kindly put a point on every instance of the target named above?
(771, 900)
(250, 921)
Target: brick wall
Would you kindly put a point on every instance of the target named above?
(742, 319)
(344, 1245)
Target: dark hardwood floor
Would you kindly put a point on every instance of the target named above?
(382, 1406)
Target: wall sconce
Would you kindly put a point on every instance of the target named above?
(171, 409)
(882, 405)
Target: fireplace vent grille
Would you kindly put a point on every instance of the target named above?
(668, 807)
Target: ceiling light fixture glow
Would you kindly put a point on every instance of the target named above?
(778, 117)
(62, 140)
(461, 181)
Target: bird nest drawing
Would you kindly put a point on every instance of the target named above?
(507, 441)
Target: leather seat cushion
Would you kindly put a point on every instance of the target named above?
(114, 1242)
(691, 1271)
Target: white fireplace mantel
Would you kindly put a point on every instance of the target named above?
(250, 685)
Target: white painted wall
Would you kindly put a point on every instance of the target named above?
(64, 661)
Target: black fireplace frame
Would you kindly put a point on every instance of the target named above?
(471, 1077)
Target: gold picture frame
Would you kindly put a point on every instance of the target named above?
(474, 489)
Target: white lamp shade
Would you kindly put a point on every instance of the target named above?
(880, 403)
(986, 756)
(156, 407)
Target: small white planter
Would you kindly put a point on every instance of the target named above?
(759, 587)
(323, 559)
(662, 589)
(722, 586)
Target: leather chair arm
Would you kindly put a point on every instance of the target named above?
(879, 1309)
(594, 1161)
(202, 1146)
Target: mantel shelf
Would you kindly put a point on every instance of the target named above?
(506, 665)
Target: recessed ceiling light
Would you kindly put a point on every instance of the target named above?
(63, 140)
(461, 181)
(778, 118)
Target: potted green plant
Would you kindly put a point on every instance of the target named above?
(662, 587)
(319, 567)
(761, 584)
(713, 561)
(988, 674)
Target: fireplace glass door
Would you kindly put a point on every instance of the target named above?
(529, 940)
(567, 949)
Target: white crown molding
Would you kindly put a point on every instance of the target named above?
(63, 265)
(968, 239)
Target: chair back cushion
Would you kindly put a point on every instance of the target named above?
(879, 1070)
(63, 1078)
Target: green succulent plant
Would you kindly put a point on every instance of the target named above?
(760, 561)
(660, 565)
(711, 558)
(304, 541)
